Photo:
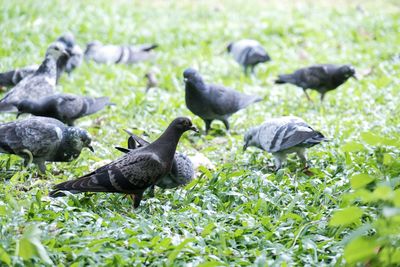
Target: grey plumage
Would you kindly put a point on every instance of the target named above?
(64, 107)
(248, 53)
(151, 80)
(128, 54)
(12, 77)
(213, 102)
(282, 136)
(40, 139)
(322, 78)
(136, 170)
(76, 53)
(39, 84)
(182, 171)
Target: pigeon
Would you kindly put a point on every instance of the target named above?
(40, 139)
(39, 84)
(64, 107)
(248, 53)
(282, 136)
(182, 171)
(213, 102)
(100, 53)
(76, 53)
(12, 77)
(151, 80)
(136, 170)
(322, 78)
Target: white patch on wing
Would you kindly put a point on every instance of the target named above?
(113, 180)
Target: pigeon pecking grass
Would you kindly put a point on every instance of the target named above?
(321, 78)
(64, 107)
(41, 83)
(129, 54)
(248, 53)
(182, 171)
(135, 171)
(213, 102)
(282, 136)
(41, 139)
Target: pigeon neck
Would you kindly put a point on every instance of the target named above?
(61, 64)
(68, 148)
(48, 66)
(166, 144)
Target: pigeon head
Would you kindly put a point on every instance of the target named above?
(26, 106)
(183, 124)
(77, 139)
(250, 138)
(229, 47)
(56, 50)
(347, 71)
(192, 77)
(68, 39)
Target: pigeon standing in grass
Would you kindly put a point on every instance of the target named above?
(135, 171)
(322, 78)
(76, 53)
(64, 107)
(213, 102)
(282, 136)
(182, 171)
(41, 83)
(40, 139)
(248, 53)
(100, 53)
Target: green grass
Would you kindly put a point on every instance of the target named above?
(240, 212)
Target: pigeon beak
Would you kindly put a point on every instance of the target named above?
(91, 148)
(355, 77)
(67, 52)
(185, 79)
(19, 114)
(194, 129)
(245, 147)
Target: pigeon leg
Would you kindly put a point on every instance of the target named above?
(301, 153)
(308, 97)
(245, 68)
(136, 199)
(252, 69)
(152, 189)
(208, 125)
(42, 167)
(322, 97)
(30, 157)
(279, 160)
(226, 123)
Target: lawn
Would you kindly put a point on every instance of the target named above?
(238, 211)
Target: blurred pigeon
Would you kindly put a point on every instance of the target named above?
(322, 78)
(12, 77)
(282, 136)
(117, 53)
(64, 107)
(76, 54)
(38, 85)
(40, 139)
(135, 171)
(248, 53)
(182, 171)
(213, 102)
(151, 80)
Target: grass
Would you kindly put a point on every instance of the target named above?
(239, 212)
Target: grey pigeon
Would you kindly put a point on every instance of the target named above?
(76, 53)
(322, 78)
(12, 77)
(135, 171)
(64, 107)
(248, 53)
(282, 136)
(151, 80)
(100, 53)
(213, 102)
(182, 171)
(40, 139)
(38, 85)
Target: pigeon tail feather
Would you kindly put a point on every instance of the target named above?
(285, 78)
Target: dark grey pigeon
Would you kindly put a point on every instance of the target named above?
(248, 53)
(135, 171)
(282, 136)
(213, 102)
(12, 77)
(41, 83)
(128, 54)
(182, 171)
(76, 53)
(40, 139)
(321, 78)
(64, 107)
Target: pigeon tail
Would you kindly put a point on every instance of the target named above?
(248, 100)
(6, 78)
(7, 107)
(285, 78)
(317, 138)
(148, 47)
(96, 104)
